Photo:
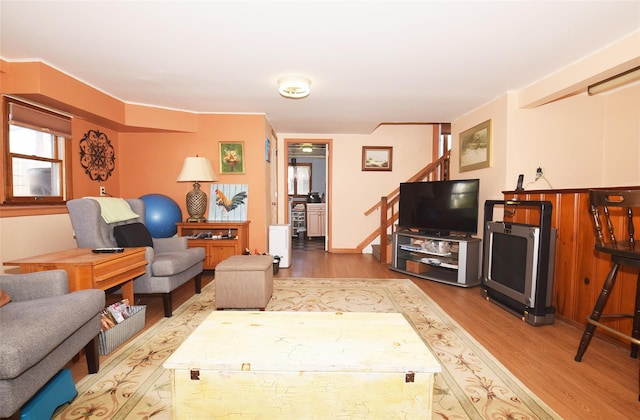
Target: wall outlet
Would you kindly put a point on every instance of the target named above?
(103, 191)
(539, 173)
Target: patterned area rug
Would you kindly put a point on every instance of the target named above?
(132, 384)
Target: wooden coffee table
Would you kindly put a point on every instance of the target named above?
(87, 270)
(302, 365)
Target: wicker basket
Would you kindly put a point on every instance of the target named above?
(112, 338)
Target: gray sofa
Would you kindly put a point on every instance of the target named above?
(41, 329)
(170, 262)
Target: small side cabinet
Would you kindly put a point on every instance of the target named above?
(219, 240)
(316, 213)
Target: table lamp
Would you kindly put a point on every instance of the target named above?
(196, 169)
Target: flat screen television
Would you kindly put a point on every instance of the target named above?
(440, 207)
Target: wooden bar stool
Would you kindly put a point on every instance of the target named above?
(623, 252)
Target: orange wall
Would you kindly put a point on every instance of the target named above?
(48, 86)
(150, 143)
(151, 162)
(83, 185)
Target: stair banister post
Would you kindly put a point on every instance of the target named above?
(383, 229)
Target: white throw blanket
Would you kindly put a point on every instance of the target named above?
(114, 209)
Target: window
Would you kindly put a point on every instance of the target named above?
(444, 140)
(299, 179)
(37, 158)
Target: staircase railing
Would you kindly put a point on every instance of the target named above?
(437, 170)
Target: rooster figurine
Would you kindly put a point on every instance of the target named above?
(228, 205)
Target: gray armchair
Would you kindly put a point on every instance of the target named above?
(170, 262)
(41, 329)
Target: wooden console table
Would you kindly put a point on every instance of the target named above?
(216, 248)
(87, 270)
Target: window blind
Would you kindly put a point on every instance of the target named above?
(39, 119)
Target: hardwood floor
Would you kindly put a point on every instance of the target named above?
(603, 386)
(302, 242)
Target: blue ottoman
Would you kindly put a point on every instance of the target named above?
(59, 390)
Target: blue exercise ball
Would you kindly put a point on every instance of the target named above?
(161, 215)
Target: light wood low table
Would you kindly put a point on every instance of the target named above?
(87, 270)
(302, 365)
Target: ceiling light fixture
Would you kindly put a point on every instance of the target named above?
(294, 87)
(615, 81)
(307, 148)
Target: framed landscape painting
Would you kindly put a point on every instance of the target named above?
(231, 157)
(377, 158)
(475, 147)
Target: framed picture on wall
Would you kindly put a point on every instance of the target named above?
(475, 147)
(228, 202)
(231, 157)
(377, 158)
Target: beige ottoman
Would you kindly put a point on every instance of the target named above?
(244, 282)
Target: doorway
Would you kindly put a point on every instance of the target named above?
(308, 186)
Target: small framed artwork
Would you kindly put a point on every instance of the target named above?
(475, 147)
(231, 157)
(228, 202)
(267, 150)
(377, 158)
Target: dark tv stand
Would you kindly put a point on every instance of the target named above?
(438, 233)
(459, 267)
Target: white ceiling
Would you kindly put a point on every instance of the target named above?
(370, 62)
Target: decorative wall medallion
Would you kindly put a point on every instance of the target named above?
(97, 155)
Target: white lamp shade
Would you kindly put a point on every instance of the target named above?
(197, 169)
